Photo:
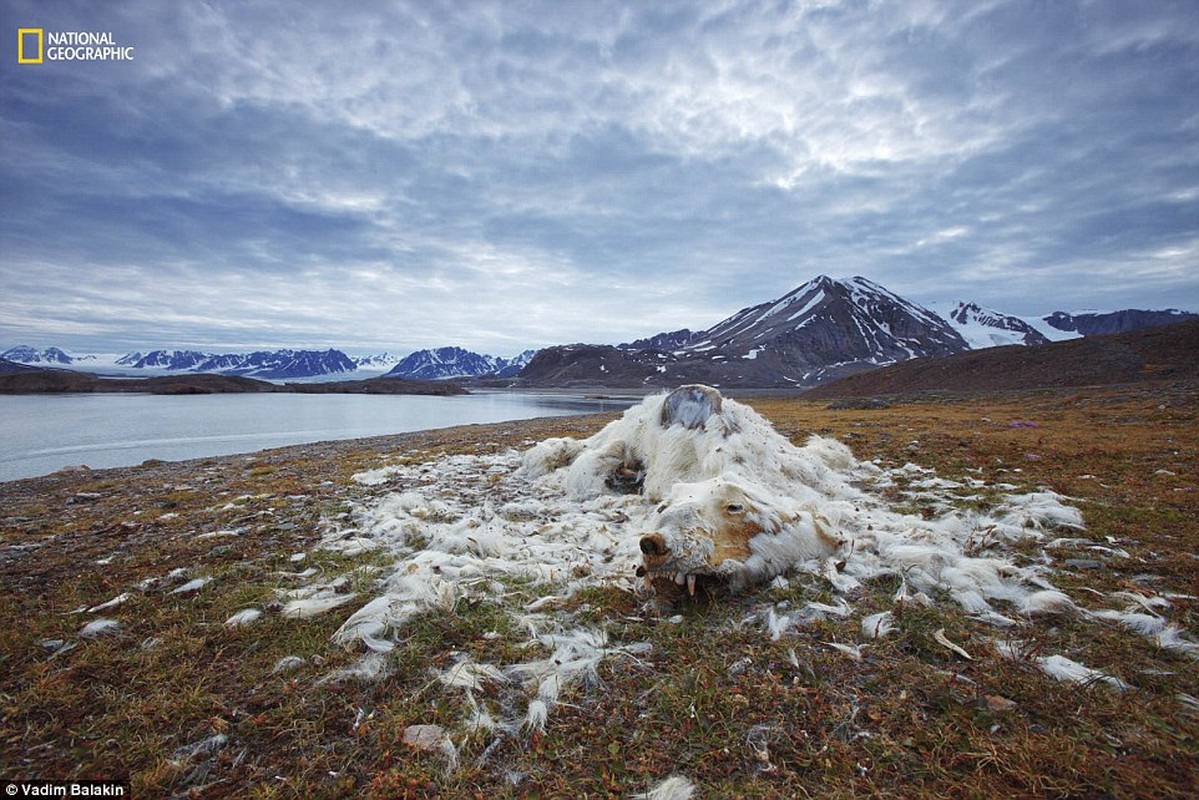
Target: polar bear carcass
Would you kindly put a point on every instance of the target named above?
(738, 502)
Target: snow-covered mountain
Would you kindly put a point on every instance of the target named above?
(830, 322)
(984, 327)
(164, 359)
(823, 329)
(293, 364)
(446, 362)
(51, 356)
(378, 362)
(455, 362)
(514, 365)
(508, 367)
(276, 364)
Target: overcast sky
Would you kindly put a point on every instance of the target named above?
(504, 175)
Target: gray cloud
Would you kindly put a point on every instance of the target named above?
(498, 176)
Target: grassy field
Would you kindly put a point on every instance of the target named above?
(181, 704)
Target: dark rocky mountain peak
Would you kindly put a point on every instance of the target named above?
(1095, 323)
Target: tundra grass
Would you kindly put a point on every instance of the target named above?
(179, 704)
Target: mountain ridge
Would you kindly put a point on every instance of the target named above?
(822, 330)
(282, 364)
(455, 362)
(1098, 323)
(1159, 353)
(266, 364)
(24, 354)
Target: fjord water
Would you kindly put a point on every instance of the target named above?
(43, 433)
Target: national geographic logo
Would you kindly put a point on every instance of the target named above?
(29, 45)
(37, 45)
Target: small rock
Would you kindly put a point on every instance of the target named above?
(998, 704)
(288, 663)
(424, 737)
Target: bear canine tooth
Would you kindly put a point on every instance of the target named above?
(691, 585)
(680, 578)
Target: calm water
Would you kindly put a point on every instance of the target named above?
(41, 434)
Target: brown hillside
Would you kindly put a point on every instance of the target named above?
(46, 381)
(1166, 353)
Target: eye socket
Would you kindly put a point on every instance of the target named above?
(735, 508)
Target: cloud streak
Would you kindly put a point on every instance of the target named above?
(499, 176)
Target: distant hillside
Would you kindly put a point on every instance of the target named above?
(31, 380)
(13, 366)
(1170, 352)
(1095, 323)
(666, 342)
(63, 381)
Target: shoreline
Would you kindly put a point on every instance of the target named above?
(54, 381)
(125, 429)
(428, 438)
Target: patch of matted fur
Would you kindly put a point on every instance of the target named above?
(466, 526)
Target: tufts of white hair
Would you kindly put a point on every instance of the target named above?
(676, 787)
(244, 617)
(876, 626)
(1065, 669)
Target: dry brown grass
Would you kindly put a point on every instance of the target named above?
(714, 700)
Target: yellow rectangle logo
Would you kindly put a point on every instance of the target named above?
(29, 35)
